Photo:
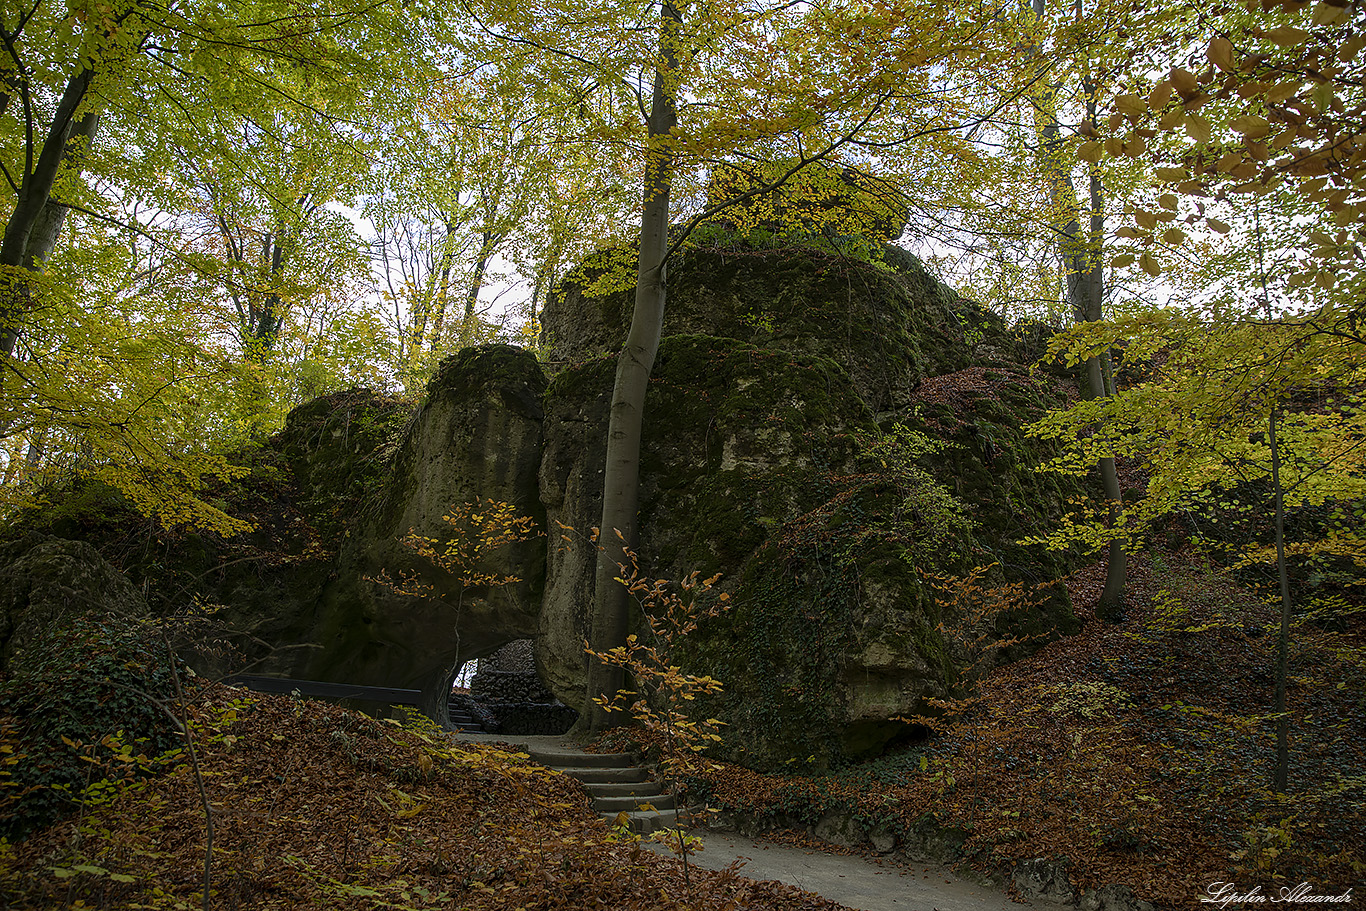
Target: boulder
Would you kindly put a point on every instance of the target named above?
(820, 431)
(47, 582)
(779, 380)
(476, 437)
(1042, 879)
(332, 495)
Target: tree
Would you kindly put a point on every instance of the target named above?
(456, 196)
(1081, 251)
(102, 386)
(1262, 127)
(717, 84)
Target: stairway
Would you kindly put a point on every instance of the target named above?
(616, 785)
(462, 720)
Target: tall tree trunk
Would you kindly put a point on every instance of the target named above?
(35, 192)
(488, 242)
(621, 479)
(1281, 774)
(442, 287)
(1081, 258)
(1111, 604)
(42, 240)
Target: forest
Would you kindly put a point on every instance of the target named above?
(1142, 224)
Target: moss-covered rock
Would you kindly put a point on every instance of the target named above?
(887, 326)
(330, 496)
(822, 434)
(46, 583)
(477, 437)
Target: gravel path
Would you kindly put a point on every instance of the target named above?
(851, 880)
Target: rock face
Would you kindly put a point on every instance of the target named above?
(46, 582)
(820, 431)
(771, 455)
(477, 437)
(331, 496)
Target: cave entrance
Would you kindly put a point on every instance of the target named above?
(501, 693)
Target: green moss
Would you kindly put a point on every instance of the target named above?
(887, 325)
(471, 371)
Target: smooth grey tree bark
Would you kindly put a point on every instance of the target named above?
(32, 200)
(621, 481)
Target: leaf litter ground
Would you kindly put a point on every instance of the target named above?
(1141, 752)
(318, 807)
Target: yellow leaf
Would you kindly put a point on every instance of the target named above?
(1130, 104)
(1090, 151)
(1145, 219)
(1150, 265)
(1217, 226)
(1173, 236)
(1288, 36)
(1197, 128)
(1281, 91)
(1167, 200)
(1251, 126)
(1171, 174)
(1220, 54)
(1184, 81)
(1172, 119)
(1229, 162)
(1122, 260)
(1160, 95)
(1327, 14)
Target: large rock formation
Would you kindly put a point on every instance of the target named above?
(820, 430)
(477, 437)
(331, 496)
(772, 455)
(47, 582)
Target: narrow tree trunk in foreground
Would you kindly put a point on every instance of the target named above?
(621, 481)
(1281, 777)
(1111, 604)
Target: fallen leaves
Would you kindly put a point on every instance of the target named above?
(318, 807)
(1140, 751)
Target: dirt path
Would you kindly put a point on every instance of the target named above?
(851, 880)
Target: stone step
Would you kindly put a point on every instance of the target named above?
(643, 822)
(617, 804)
(565, 760)
(604, 776)
(629, 789)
